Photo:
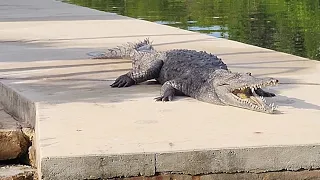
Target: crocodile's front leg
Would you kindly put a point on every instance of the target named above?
(172, 88)
(167, 92)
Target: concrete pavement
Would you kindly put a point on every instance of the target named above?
(85, 129)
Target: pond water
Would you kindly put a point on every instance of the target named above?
(291, 26)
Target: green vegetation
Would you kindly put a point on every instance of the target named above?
(291, 26)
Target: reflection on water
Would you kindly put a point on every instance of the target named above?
(291, 26)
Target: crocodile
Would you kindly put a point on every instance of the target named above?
(197, 74)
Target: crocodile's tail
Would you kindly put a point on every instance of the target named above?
(124, 51)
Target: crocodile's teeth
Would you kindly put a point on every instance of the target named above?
(252, 89)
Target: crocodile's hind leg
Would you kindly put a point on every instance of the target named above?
(145, 62)
(145, 66)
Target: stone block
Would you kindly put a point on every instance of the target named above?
(16, 172)
(13, 142)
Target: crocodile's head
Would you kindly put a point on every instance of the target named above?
(243, 90)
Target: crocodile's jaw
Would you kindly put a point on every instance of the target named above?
(239, 90)
(252, 102)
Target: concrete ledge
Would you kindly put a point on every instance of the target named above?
(17, 105)
(95, 167)
(282, 175)
(253, 160)
(85, 129)
(257, 160)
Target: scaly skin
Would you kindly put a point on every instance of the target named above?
(200, 75)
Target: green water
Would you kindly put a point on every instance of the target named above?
(291, 26)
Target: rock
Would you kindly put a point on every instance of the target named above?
(13, 142)
(31, 156)
(16, 172)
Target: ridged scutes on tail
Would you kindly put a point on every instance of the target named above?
(124, 51)
(144, 45)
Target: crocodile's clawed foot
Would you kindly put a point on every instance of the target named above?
(163, 98)
(123, 81)
(167, 95)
